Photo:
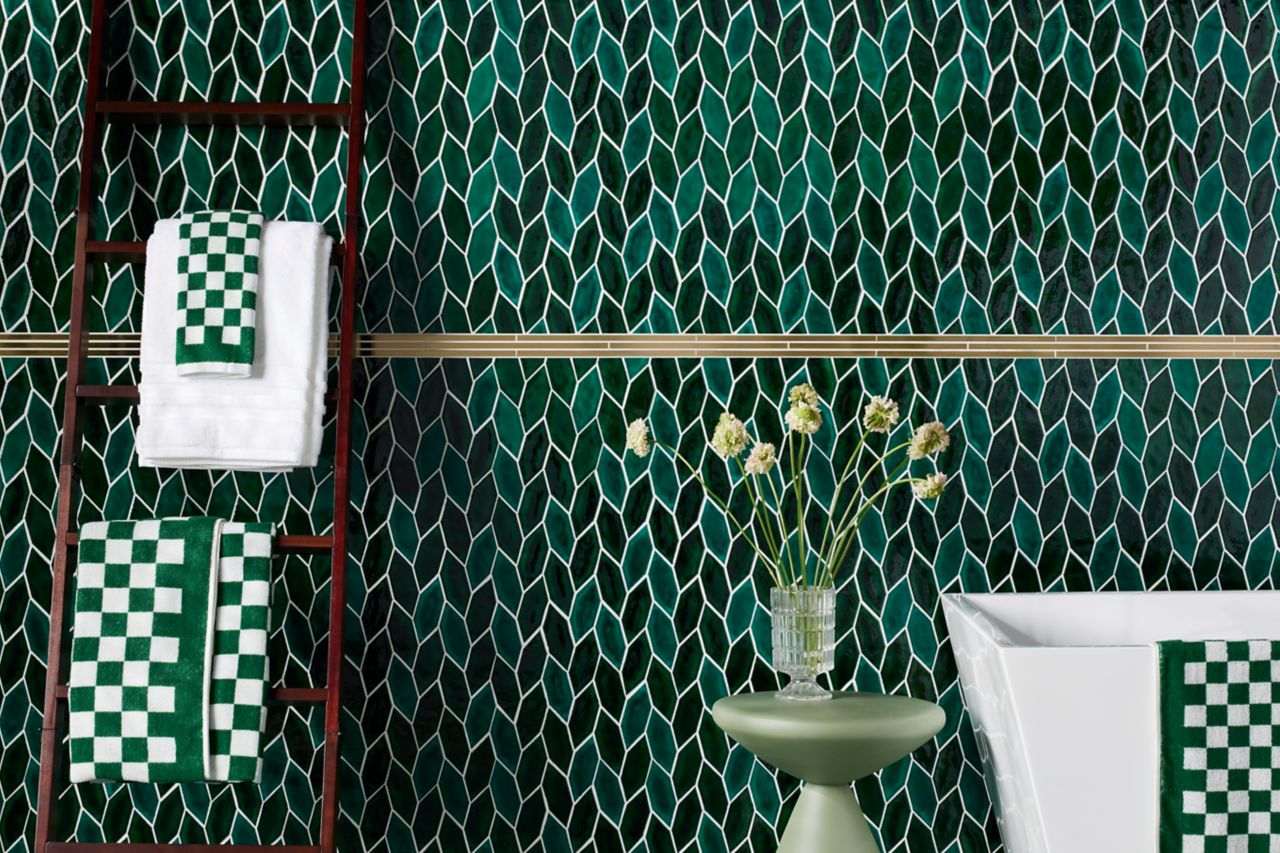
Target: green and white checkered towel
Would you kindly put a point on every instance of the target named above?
(218, 292)
(168, 653)
(139, 650)
(238, 711)
(1219, 738)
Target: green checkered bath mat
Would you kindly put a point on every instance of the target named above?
(1219, 746)
(218, 292)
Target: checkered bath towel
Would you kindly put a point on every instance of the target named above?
(218, 292)
(1219, 746)
(168, 653)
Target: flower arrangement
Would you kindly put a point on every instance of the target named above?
(777, 532)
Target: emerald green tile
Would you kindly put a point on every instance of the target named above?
(835, 167)
(714, 120)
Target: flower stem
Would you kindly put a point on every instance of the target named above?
(797, 480)
(835, 500)
(782, 531)
(853, 503)
(751, 540)
(759, 513)
(852, 533)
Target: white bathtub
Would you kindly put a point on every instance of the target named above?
(1061, 688)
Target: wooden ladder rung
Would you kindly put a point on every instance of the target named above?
(226, 112)
(135, 251)
(124, 251)
(108, 393)
(284, 544)
(96, 847)
(129, 394)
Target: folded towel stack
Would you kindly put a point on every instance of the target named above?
(169, 651)
(268, 420)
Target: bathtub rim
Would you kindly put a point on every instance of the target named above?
(1005, 635)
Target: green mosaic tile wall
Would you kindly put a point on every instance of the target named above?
(538, 623)
(809, 165)
(536, 626)
(612, 166)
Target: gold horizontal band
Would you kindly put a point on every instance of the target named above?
(408, 345)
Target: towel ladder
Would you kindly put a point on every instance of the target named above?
(78, 395)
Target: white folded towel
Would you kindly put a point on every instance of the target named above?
(269, 420)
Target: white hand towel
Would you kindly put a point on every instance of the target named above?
(269, 420)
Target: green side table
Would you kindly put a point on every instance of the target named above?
(828, 744)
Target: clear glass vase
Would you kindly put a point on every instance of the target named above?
(804, 639)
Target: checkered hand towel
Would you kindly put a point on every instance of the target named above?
(218, 292)
(1219, 721)
(168, 653)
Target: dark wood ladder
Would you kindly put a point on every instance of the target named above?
(78, 395)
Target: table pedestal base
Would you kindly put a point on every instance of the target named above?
(828, 745)
(827, 819)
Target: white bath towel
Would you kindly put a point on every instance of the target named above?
(269, 420)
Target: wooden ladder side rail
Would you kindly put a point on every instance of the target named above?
(72, 425)
(342, 443)
(75, 400)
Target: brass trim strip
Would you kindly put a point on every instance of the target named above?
(405, 345)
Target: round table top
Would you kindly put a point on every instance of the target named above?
(833, 741)
(845, 714)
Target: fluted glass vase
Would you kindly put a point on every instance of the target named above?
(804, 639)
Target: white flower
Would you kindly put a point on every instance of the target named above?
(929, 439)
(804, 393)
(730, 436)
(880, 415)
(638, 438)
(762, 459)
(804, 418)
(929, 487)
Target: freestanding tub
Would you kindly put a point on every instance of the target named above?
(1061, 688)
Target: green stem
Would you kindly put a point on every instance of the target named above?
(853, 503)
(751, 540)
(852, 534)
(791, 454)
(782, 531)
(759, 513)
(846, 538)
(835, 500)
(797, 480)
